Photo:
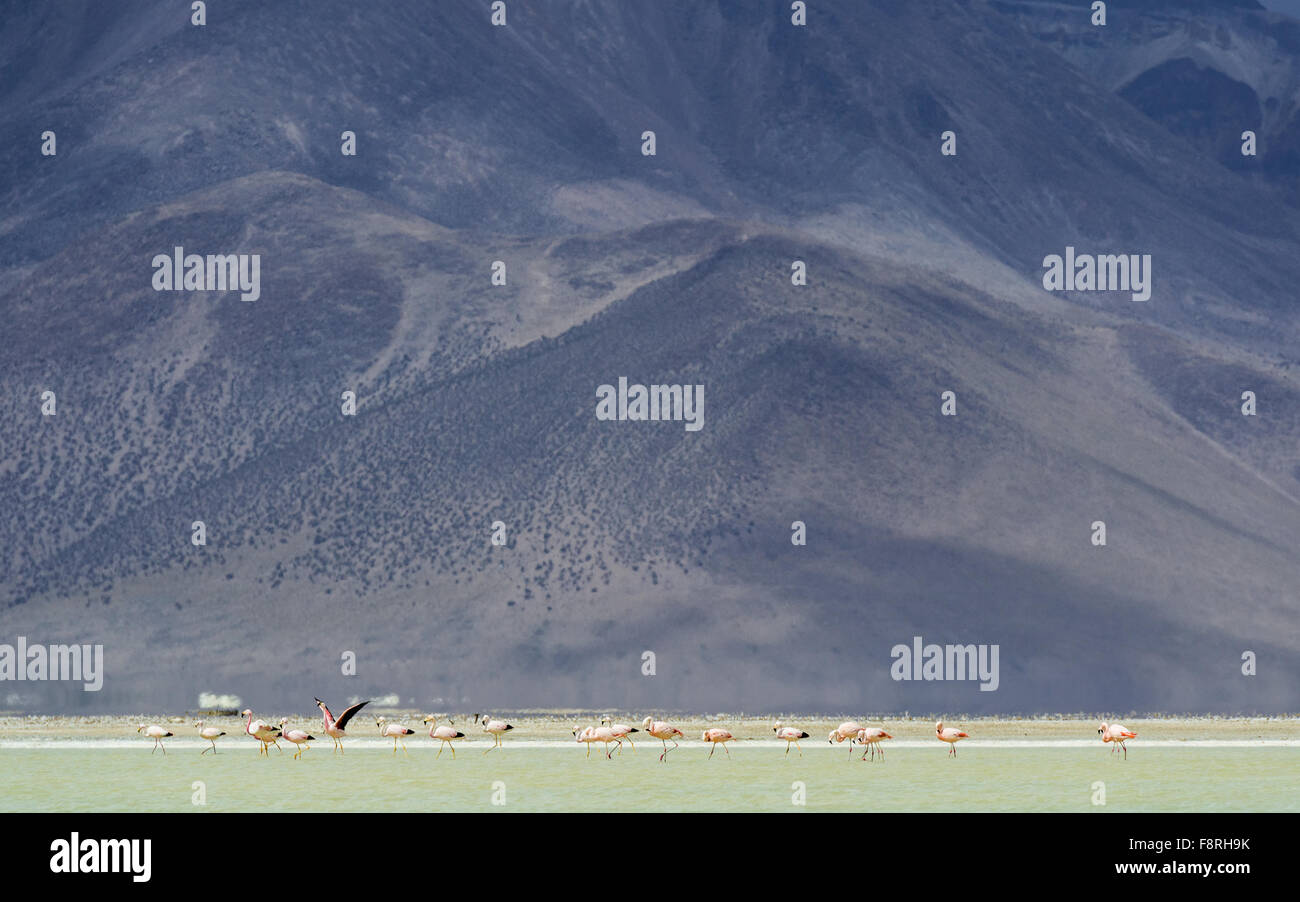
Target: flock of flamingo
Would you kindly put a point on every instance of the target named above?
(870, 738)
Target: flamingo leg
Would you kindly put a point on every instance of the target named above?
(665, 752)
(724, 748)
(798, 746)
(713, 747)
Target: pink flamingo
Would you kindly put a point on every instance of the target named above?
(211, 734)
(949, 735)
(156, 733)
(395, 732)
(445, 735)
(847, 730)
(790, 735)
(663, 732)
(1116, 733)
(496, 728)
(262, 732)
(621, 730)
(872, 737)
(300, 738)
(719, 737)
(597, 734)
(334, 728)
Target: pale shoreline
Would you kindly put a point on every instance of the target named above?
(553, 729)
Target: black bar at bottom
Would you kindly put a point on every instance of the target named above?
(727, 851)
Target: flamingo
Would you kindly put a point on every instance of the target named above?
(596, 734)
(790, 735)
(949, 735)
(872, 737)
(334, 728)
(718, 736)
(496, 728)
(262, 732)
(211, 734)
(663, 732)
(445, 735)
(847, 730)
(1116, 733)
(156, 733)
(584, 735)
(395, 732)
(299, 738)
(621, 730)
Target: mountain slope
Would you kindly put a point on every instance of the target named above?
(476, 401)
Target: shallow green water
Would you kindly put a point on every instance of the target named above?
(983, 778)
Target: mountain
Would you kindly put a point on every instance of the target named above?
(1206, 76)
(476, 402)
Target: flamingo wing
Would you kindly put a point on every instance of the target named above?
(342, 722)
